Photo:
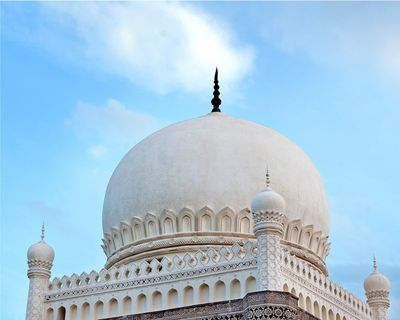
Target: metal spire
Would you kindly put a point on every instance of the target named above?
(216, 101)
(42, 236)
(374, 264)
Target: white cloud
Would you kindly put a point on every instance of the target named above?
(97, 151)
(112, 126)
(348, 35)
(162, 45)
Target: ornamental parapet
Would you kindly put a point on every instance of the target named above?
(309, 277)
(155, 271)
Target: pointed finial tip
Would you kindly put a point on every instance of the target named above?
(216, 101)
(42, 236)
(374, 263)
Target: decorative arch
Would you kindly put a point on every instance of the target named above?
(315, 241)
(168, 222)
(338, 316)
(330, 315)
(251, 284)
(305, 236)
(172, 298)
(73, 312)
(245, 221)
(85, 311)
(138, 231)
(61, 313)
(285, 287)
(186, 220)
(316, 309)
(204, 293)
(323, 313)
(113, 307)
(226, 220)
(293, 292)
(127, 305)
(116, 236)
(156, 301)
(206, 220)
(308, 305)
(141, 303)
(301, 301)
(99, 309)
(126, 231)
(219, 291)
(50, 314)
(293, 231)
(152, 226)
(235, 289)
(188, 296)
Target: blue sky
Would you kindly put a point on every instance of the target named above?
(81, 83)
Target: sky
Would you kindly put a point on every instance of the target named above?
(81, 83)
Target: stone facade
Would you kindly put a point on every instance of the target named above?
(254, 306)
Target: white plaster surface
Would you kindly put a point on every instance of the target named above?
(215, 161)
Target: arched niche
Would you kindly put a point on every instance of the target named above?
(204, 293)
(99, 309)
(235, 289)
(156, 301)
(85, 309)
(245, 222)
(127, 305)
(219, 291)
(168, 222)
(186, 220)
(141, 303)
(251, 285)
(206, 220)
(188, 296)
(113, 307)
(172, 298)
(226, 220)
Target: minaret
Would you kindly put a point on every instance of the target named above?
(377, 288)
(268, 208)
(40, 261)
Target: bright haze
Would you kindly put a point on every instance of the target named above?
(81, 83)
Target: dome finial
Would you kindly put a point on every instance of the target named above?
(42, 236)
(374, 263)
(216, 101)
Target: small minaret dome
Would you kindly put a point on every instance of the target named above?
(268, 200)
(41, 251)
(376, 281)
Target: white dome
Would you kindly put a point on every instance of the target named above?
(41, 251)
(376, 282)
(216, 161)
(268, 200)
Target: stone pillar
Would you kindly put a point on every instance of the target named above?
(40, 261)
(268, 228)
